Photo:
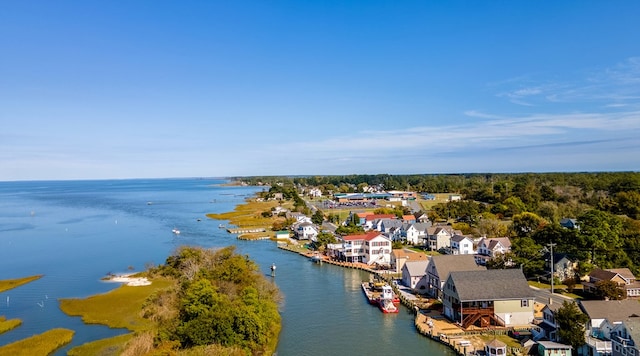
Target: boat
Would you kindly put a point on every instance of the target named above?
(382, 295)
(386, 300)
(316, 258)
(368, 292)
(221, 226)
(176, 231)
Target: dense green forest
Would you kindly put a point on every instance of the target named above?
(527, 207)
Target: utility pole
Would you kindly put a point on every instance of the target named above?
(551, 260)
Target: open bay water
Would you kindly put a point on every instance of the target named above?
(76, 232)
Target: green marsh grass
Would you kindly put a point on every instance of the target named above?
(41, 344)
(6, 325)
(111, 346)
(119, 308)
(7, 284)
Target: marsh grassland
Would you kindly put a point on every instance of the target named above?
(41, 344)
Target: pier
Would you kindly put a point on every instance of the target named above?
(246, 231)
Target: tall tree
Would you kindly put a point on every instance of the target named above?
(571, 324)
(526, 224)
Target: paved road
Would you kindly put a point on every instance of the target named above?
(543, 295)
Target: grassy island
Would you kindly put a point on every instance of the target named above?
(6, 325)
(7, 284)
(200, 302)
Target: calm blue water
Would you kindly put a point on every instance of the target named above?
(75, 232)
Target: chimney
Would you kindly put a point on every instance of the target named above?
(550, 301)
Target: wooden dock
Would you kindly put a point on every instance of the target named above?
(246, 230)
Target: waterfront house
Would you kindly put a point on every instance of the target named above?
(401, 256)
(490, 248)
(622, 276)
(550, 348)
(604, 315)
(484, 298)
(413, 273)
(625, 338)
(305, 231)
(370, 248)
(440, 266)
(461, 245)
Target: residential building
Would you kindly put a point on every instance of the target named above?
(401, 256)
(569, 223)
(622, 276)
(484, 298)
(563, 267)
(439, 237)
(625, 338)
(413, 273)
(370, 248)
(305, 231)
(461, 245)
(548, 325)
(414, 233)
(604, 315)
(440, 266)
(489, 248)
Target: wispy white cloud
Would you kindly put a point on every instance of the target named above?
(536, 130)
(616, 86)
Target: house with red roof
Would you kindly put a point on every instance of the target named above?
(372, 248)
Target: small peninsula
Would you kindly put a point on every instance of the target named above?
(201, 301)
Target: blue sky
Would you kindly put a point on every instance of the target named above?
(132, 89)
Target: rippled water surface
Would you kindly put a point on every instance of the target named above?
(75, 232)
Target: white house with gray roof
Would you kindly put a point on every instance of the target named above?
(413, 272)
(497, 297)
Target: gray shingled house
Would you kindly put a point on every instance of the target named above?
(499, 297)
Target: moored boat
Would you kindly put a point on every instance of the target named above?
(386, 300)
(382, 295)
(316, 257)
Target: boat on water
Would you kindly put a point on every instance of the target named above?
(316, 257)
(386, 300)
(382, 295)
(221, 226)
(176, 231)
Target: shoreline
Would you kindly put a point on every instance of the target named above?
(434, 327)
